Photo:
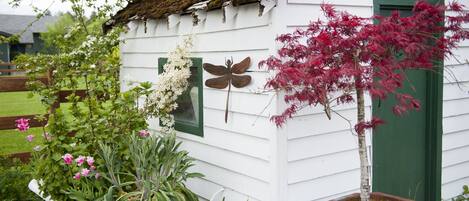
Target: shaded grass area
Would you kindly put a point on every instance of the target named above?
(13, 141)
(22, 103)
(19, 103)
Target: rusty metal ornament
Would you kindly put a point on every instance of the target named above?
(229, 75)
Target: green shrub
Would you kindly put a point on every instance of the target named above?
(158, 171)
(14, 180)
(464, 196)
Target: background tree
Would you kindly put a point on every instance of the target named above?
(67, 32)
(342, 59)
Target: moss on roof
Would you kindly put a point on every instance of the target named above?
(151, 9)
(157, 9)
(215, 4)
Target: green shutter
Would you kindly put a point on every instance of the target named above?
(196, 112)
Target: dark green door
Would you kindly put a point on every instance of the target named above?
(407, 150)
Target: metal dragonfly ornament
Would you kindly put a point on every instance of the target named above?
(229, 75)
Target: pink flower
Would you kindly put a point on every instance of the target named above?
(68, 159)
(80, 160)
(77, 176)
(47, 136)
(97, 175)
(85, 172)
(30, 138)
(90, 160)
(93, 167)
(22, 124)
(144, 133)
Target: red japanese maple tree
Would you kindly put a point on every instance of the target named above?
(342, 59)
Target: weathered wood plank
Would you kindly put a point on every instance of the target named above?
(8, 122)
(10, 70)
(24, 157)
(16, 83)
(7, 64)
(64, 93)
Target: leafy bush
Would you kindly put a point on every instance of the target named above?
(66, 33)
(157, 173)
(14, 180)
(464, 196)
(105, 113)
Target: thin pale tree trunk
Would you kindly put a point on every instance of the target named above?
(364, 167)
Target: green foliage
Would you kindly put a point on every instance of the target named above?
(103, 114)
(88, 60)
(157, 173)
(67, 33)
(11, 39)
(14, 179)
(464, 196)
(105, 117)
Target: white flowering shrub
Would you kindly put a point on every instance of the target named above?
(170, 85)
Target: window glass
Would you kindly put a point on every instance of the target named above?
(189, 114)
(188, 102)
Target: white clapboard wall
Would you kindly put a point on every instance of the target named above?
(311, 157)
(455, 158)
(235, 156)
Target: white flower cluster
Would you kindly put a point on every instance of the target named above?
(94, 47)
(171, 84)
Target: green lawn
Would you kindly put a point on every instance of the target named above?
(18, 103)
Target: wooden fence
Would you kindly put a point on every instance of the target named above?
(17, 83)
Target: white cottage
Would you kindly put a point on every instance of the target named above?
(311, 158)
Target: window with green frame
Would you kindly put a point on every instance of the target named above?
(189, 114)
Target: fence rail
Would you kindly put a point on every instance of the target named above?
(18, 83)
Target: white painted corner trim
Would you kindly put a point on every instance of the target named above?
(34, 187)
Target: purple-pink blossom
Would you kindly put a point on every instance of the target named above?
(97, 175)
(90, 160)
(68, 159)
(144, 133)
(22, 124)
(85, 172)
(80, 160)
(30, 138)
(77, 176)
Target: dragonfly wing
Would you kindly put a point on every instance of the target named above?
(242, 66)
(240, 81)
(218, 83)
(215, 70)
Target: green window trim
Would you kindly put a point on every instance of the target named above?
(183, 126)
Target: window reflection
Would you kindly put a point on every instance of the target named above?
(188, 102)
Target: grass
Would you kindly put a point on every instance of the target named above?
(12, 141)
(18, 103)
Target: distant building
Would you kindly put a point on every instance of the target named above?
(30, 41)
